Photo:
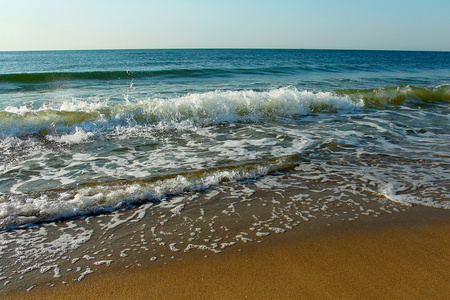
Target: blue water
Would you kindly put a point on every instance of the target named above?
(84, 132)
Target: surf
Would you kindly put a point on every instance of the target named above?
(197, 109)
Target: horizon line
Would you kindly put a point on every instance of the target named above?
(224, 48)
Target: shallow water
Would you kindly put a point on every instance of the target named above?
(199, 223)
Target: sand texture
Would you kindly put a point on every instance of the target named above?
(405, 256)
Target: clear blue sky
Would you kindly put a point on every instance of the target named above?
(314, 24)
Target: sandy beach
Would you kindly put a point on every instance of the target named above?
(399, 256)
(224, 173)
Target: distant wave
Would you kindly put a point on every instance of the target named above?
(47, 77)
(103, 75)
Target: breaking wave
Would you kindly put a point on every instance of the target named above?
(211, 108)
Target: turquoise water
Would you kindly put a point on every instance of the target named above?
(86, 132)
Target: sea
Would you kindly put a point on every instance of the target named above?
(136, 156)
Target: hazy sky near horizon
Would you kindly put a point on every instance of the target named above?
(146, 24)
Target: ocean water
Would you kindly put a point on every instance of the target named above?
(111, 136)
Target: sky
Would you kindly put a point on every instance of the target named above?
(150, 24)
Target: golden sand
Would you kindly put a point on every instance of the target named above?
(395, 257)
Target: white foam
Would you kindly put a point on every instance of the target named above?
(216, 107)
(77, 137)
(21, 209)
(106, 262)
(82, 275)
(201, 247)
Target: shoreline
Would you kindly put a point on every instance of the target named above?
(399, 255)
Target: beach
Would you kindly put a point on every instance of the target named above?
(224, 173)
(401, 256)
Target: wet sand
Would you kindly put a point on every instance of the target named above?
(398, 256)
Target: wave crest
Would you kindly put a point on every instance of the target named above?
(211, 108)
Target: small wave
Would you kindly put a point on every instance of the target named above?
(48, 77)
(211, 108)
(23, 209)
(64, 76)
(401, 95)
(35, 78)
